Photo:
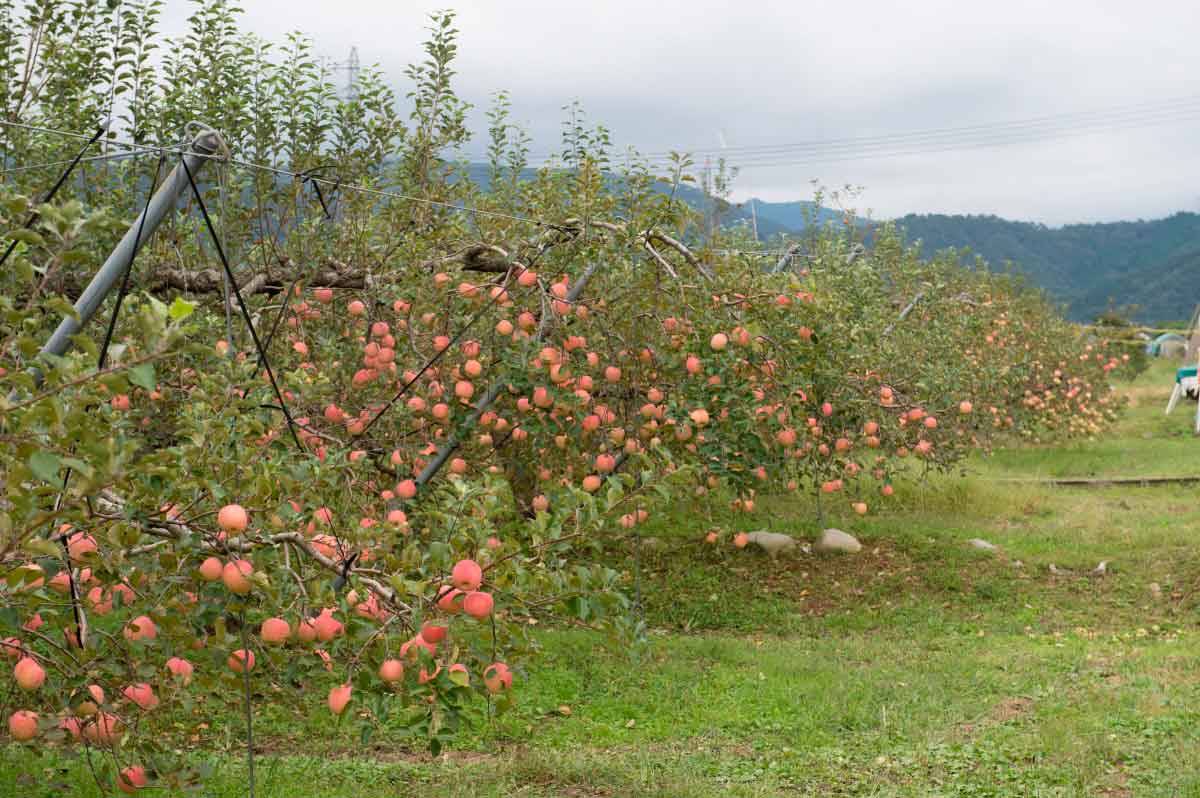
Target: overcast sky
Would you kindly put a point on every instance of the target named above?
(699, 75)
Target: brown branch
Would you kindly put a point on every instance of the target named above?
(487, 258)
(661, 260)
(175, 531)
(210, 281)
(80, 381)
(650, 237)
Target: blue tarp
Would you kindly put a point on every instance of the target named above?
(1153, 347)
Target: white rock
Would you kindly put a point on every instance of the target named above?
(835, 540)
(1101, 569)
(981, 544)
(772, 542)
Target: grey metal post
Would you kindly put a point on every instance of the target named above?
(904, 313)
(203, 147)
(786, 259)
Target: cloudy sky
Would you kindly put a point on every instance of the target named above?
(878, 93)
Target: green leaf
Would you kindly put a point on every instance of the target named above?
(62, 306)
(28, 237)
(78, 465)
(45, 465)
(180, 309)
(143, 376)
(9, 618)
(460, 678)
(42, 546)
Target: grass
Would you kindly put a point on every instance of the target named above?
(919, 667)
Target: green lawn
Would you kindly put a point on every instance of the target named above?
(920, 667)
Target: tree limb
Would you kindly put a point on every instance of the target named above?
(209, 281)
(114, 505)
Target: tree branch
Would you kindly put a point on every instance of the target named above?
(173, 530)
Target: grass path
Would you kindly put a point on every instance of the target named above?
(920, 667)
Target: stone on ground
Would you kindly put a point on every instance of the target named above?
(771, 542)
(981, 544)
(835, 540)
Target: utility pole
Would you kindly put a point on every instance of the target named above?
(754, 219)
(710, 210)
(352, 68)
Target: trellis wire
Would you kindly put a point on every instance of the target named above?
(458, 336)
(283, 307)
(175, 149)
(287, 414)
(307, 176)
(116, 156)
(33, 217)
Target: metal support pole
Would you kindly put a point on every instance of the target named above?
(206, 145)
(786, 260)
(904, 313)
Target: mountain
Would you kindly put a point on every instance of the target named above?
(1152, 267)
(1148, 269)
(794, 216)
(774, 218)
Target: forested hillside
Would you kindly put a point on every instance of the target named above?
(774, 218)
(1151, 265)
(1149, 269)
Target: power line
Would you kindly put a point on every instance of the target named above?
(989, 136)
(936, 147)
(1189, 103)
(1017, 131)
(954, 146)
